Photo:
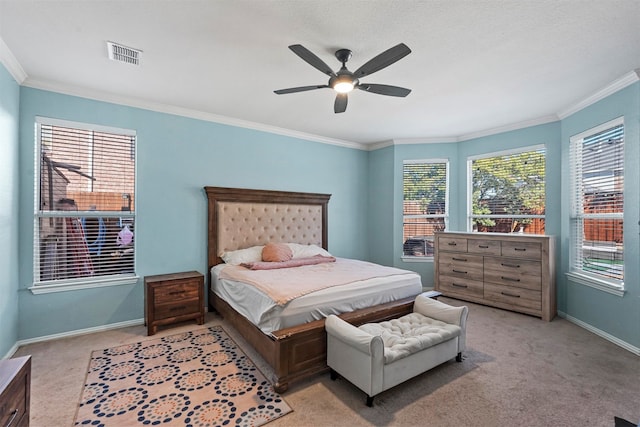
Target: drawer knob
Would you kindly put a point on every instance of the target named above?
(181, 307)
(483, 246)
(176, 292)
(459, 271)
(520, 249)
(510, 295)
(459, 259)
(452, 244)
(459, 286)
(510, 265)
(510, 279)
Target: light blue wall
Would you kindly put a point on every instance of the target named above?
(177, 157)
(381, 206)
(9, 178)
(614, 315)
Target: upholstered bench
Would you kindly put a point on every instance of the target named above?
(378, 356)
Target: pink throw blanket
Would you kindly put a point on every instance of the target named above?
(284, 284)
(296, 262)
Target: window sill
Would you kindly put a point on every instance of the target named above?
(599, 284)
(84, 283)
(405, 258)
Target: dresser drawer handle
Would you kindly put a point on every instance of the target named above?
(176, 292)
(520, 249)
(452, 244)
(14, 414)
(459, 271)
(459, 286)
(510, 279)
(459, 259)
(182, 307)
(510, 265)
(483, 246)
(510, 295)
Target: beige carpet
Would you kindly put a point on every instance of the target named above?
(518, 371)
(193, 378)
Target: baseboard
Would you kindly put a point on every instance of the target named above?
(135, 322)
(11, 351)
(600, 333)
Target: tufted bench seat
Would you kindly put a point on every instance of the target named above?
(378, 356)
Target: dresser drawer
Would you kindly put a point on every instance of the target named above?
(464, 287)
(166, 311)
(184, 290)
(532, 250)
(513, 272)
(515, 296)
(485, 247)
(454, 244)
(15, 378)
(460, 265)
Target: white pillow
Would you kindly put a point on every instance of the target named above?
(305, 251)
(241, 256)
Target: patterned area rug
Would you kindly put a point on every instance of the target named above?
(198, 378)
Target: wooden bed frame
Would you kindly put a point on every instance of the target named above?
(297, 352)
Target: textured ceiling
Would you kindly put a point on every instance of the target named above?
(474, 66)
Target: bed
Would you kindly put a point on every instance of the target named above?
(292, 344)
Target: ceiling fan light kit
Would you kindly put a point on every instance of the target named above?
(344, 81)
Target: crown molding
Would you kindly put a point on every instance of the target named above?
(429, 140)
(11, 63)
(624, 81)
(510, 127)
(184, 112)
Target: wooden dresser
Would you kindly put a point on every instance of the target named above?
(172, 298)
(511, 271)
(15, 391)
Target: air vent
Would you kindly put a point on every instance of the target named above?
(118, 52)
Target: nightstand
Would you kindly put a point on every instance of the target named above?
(173, 298)
(15, 389)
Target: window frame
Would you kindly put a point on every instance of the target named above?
(579, 276)
(445, 216)
(71, 284)
(471, 159)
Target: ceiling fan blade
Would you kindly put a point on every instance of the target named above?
(340, 106)
(384, 89)
(298, 89)
(383, 60)
(311, 59)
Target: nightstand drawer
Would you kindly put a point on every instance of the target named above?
(165, 311)
(180, 291)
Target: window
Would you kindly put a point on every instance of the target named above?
(84, 223)
(507, 192)
(597, 177)
(425, 206)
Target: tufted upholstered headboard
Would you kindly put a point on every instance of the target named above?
(240, 218)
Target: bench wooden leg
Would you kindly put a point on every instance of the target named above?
(459, 357)
(370, 401)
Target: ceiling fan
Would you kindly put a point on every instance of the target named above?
(344, 81)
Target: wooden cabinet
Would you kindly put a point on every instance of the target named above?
(511, 271)
(172, 298)
(15, 389)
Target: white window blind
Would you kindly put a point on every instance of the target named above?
(84, 203)
(507, 192)
(597, 160)
(425, 205)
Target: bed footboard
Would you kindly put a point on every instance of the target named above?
(301, 351)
